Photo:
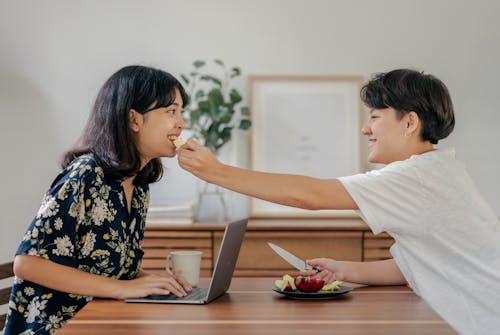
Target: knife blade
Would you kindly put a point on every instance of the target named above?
(293, 260)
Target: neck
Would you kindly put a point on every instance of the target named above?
(424, 147)
(418, 149)
(128, 181)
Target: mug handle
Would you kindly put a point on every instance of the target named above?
(169, 270)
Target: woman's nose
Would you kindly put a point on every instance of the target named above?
(180, 123)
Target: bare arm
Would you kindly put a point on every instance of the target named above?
(67, 279)
(286, 189)
(370, 273)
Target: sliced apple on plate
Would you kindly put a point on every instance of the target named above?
(287, 283)
(306, 284)
(333, 286)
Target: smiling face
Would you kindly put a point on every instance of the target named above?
(391, 138)
(156, 129)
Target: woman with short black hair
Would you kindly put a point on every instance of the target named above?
(447, 238)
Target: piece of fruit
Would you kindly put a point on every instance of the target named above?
(179, 142)
(287, 283)
(333, 286)
(309, 284)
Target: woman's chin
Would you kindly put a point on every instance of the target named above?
(170, 155)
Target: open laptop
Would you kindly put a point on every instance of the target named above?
(221, 277)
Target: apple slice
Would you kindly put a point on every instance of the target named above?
(287, 283)
(179, 142)
(333, 286)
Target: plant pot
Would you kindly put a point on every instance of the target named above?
(212, 205)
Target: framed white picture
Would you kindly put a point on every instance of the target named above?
(305, 125)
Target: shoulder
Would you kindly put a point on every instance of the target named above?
(83, 170)
(82, 167)
(434, 157)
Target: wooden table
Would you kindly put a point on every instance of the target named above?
(250, 307)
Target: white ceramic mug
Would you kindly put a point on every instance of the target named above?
(185, 263)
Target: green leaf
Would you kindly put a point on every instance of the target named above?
(204, 104)
(225, 135)
(235, 96)
(218, 61)
(235, 71)
(215, 97)
(245, 111)
(194, 73)
(212, 137)
(213, 79)
(194, 116)
(186, 79)
(199, 94)
(226, 116)
(198, 63)
(245, 124)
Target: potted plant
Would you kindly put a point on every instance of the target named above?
(216, 106)
(214, 111)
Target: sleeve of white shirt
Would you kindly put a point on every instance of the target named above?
(389, 199)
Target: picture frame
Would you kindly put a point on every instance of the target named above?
(307, 125)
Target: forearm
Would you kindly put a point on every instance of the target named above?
(285, 189)
(373, 273)
(64, 278)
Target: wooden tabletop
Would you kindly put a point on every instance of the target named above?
(251, 307)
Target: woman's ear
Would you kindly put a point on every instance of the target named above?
(135, 120)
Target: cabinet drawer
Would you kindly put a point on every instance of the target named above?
(203, 273)
(376, 247)
(163, 252)
(160, 263)
(176, 239)
(157, 244)
(257, 258)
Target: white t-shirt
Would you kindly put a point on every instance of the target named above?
(447, 238)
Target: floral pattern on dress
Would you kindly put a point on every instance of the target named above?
(83, 222)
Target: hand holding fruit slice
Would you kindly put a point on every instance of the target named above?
(309, 284)
(287, 283)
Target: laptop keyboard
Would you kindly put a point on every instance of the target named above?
(195, 294)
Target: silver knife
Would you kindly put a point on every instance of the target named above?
(297, 263)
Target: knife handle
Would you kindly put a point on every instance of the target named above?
(314, 268)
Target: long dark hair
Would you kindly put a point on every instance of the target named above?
(408, 90)
(107, 134)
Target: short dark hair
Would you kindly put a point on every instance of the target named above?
(407, 90)
(107, 134)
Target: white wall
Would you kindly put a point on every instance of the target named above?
(54, 56)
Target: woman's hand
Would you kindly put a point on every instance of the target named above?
(330, 269)
(147, 284)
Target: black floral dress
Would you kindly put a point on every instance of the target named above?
(83, 222)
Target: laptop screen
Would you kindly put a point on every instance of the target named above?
(226, 260)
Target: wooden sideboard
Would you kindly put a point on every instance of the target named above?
(342, 239)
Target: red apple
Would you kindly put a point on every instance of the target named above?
(309, 284)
